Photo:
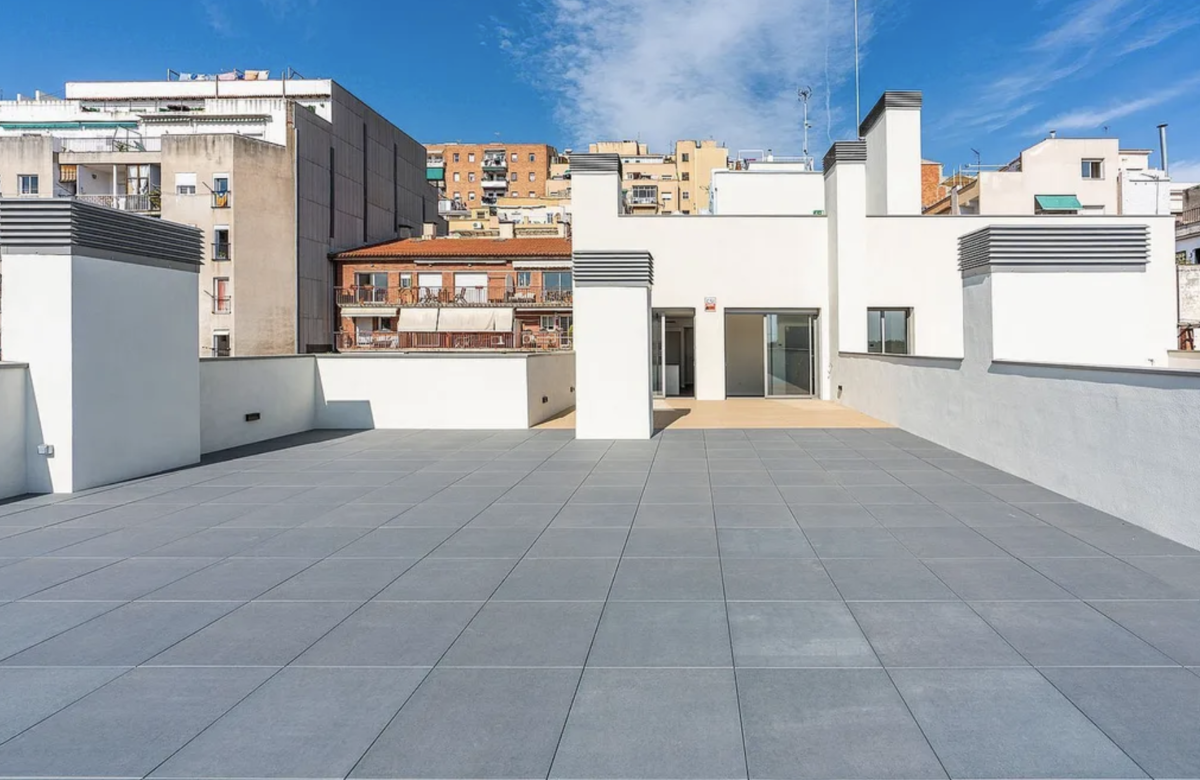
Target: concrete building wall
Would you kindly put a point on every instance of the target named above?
(522, 167)
(702, 158)
(28, 154)
(1053, 167)
(14, 381)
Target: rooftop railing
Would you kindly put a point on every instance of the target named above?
(109, 144)
(437, 340)
(142, 203)
(498, 292)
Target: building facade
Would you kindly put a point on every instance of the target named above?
(276, 173)
(676, 183)
(456, 293)
(477, 174)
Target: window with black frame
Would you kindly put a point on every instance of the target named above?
(557, 286)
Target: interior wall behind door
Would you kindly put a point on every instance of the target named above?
(744, 368)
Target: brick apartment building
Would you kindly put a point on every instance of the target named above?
(476, 174)
(456, 293)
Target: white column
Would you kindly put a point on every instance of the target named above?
(845, 204)
(892, 131)
(613, 392)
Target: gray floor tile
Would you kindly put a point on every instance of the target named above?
(215, 542)
(25, 623)
(1152, 714)
(782, 579)
(995, 579)
(754, 516)
(676, 494)
(763, 543)
(606, 494)
(885, 579)
(799, 723)
(125, 542)
(913, 516)
(833, 516)
(559, 579)
(961, 493)
(932, 633)
(991, 515)
(668, 579)
(41, 541)
(1126, 540)
(235, 579)
(675, 516)
(262, 633)
(388, 542)
(668, 723)
(516, 516)
(674, 634)
(741, 479)
(305, 543)
(357, 516)
(127, 580)
(341, 579)
(321, 722)
(31, 695)
(987, 723)
(487, 543)
(30, 576)
(1104, 578)
(797, 634)
(476, 723)
(1178, 571)
(855, 543)
(960, 542)
(129, 726)
(435, 516)
(870, 477)
(449, 579)
(392, 633)
(579, 543)
(126, 636)
(804, 495)
(813, 477)
(1066, 633)
(595, 516)
(672, 543)
(885, 494)
(746, 496)
(527, 633)
(1039, 541)
(1171, 626)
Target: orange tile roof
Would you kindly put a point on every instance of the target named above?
(464, 247)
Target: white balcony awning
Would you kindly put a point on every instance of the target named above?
(417, 320)
(360, 310)
(475, 320)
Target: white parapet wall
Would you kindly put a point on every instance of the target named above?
(14, 378)
(247, 400)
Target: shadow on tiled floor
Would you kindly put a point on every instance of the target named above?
(709, 604)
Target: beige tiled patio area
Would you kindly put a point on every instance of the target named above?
(740, 413)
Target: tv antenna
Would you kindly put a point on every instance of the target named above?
(978, 158)
(804, 93)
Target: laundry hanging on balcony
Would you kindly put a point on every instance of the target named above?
(475, 320)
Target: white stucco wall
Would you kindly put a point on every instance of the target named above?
(551, 376)
(435, 391)
(1053, 167)
(613, 385)
(282, 390)
(894, 163)
(13, 380)
(767, 193)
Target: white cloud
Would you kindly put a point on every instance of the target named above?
(657, 71)
(217, 18)
(1186, 170)
(1098, 116)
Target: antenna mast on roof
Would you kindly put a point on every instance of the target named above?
(857, 99)
(804, 93)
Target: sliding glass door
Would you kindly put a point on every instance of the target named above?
(790, 365)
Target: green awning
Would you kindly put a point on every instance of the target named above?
(1058, 202)
(435, 173)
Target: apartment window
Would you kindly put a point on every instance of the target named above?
(532, 194)
(514, 176)
(457, 176)
(221, 347)
(458, 196)
(685, 176)
(524, 278)
(888, 331)
(686, 157)
(555, 322)
(532, 176)
(666, 197)
(514, 194)
(220, 191)
(532, 157)
(471, 157)
(221, 247)
(471, 176)
(470, 196)
(685, 195)
(456, 157)
(27, 184)
(1093, 169)
(222, 299)
(185, 184)
(644, 193)
(405, 281)
(514, 156)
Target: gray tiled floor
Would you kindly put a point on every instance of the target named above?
(838, 604)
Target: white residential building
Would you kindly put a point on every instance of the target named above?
(276, 173)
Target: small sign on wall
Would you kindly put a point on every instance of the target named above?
(710, 304)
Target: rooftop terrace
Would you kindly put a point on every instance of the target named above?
(721, 604)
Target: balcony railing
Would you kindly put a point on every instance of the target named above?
(500, 291)
(498, 162)
(222, 304)
(222, 250)
(108, 144)
(222, 199)
(143, 203)
(496, 183)
(643, 200)
(388, 339)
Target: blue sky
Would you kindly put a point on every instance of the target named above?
(996, 74)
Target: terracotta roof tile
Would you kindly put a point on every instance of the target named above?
(464, 247)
